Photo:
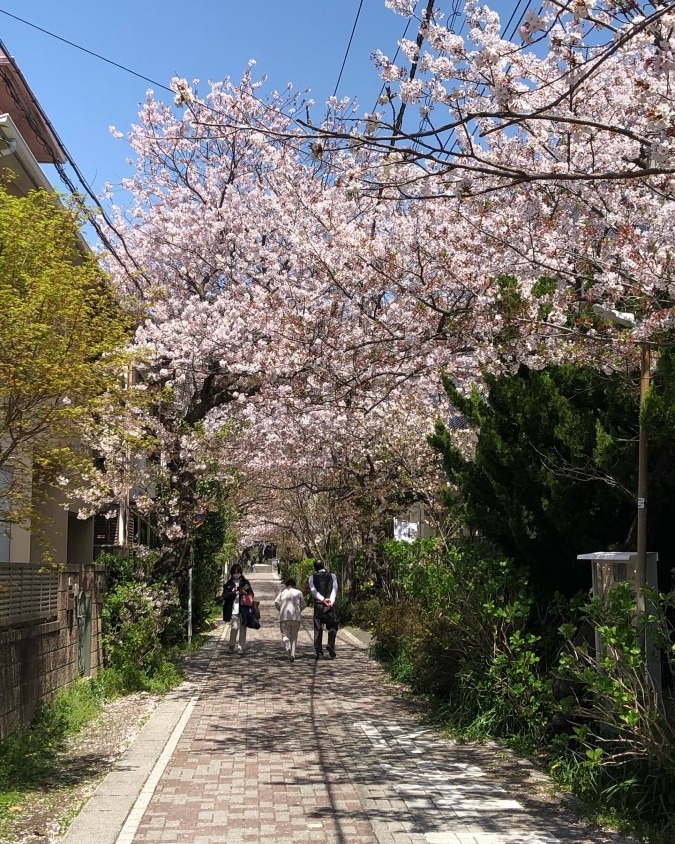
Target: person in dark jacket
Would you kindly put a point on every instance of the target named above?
(323, 586)
(233, 615)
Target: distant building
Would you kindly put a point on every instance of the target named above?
(412, 524)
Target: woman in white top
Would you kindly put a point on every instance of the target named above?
(290, 603)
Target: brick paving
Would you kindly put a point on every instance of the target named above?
(274, 752)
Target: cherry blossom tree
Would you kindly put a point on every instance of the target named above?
(581, 93)
(545, 167)
(288, 274)
(333, 480)
(263, 286)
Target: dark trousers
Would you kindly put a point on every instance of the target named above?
(324, 617)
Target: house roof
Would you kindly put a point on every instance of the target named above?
(17, 99)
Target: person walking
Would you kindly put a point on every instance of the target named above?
(234, 588)
(290, 602)
(323, 586)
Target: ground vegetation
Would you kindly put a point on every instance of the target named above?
(466, 632)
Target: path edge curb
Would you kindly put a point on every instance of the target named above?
(107, 816)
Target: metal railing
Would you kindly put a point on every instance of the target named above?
(28, 592)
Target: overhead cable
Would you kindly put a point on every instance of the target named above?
(46, 143)
(351, 38)
(84, 50)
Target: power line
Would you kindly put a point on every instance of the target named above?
(398, 50)
(46, 143)
(513, 14)
(454, 14)
(351, 38)
(124, 67)
(89, 52)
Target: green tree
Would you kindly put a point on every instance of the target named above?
(62, 328)
(214, 550)
(554, 469)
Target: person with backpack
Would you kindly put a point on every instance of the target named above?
(323, 587)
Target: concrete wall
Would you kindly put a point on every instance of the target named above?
(50, 540)
(36, 660)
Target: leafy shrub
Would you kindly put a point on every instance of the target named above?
(133, 617)
(401, 667)
(462, 620)
(395, 628)
(136, 612)
(621, 738)
(214, 547)
(363, 613)
(300, 571)
(464, 630)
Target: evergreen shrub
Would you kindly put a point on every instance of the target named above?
(136, 611)
(464, 619)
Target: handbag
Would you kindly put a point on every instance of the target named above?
(256, 609)
(249, 618)
(246, 600)
(329, 618)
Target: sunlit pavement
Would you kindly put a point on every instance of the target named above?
(258, 749)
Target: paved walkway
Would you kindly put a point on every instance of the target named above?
(258, 750)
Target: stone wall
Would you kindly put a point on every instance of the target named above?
(39, 658)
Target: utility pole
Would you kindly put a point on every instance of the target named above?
(628, 320)
(189, 607)
(641, 564)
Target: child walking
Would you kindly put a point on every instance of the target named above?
(290, 603)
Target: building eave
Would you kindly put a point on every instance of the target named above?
(17, 98)
(16, 155)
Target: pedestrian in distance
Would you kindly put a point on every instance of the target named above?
(233, 609)
(323, 587)
(290, 602)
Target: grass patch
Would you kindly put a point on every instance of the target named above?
(115, 682)
(28, 757)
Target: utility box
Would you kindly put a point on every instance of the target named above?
(609, 568)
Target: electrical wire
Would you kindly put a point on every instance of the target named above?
(349, 44)
(36, 126)
(513, 14)
(451, 25)
(398, 50)
(84, 50)
(126, 69)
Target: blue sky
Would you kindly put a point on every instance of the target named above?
(299, 41)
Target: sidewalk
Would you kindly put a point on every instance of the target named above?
(259, 750)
